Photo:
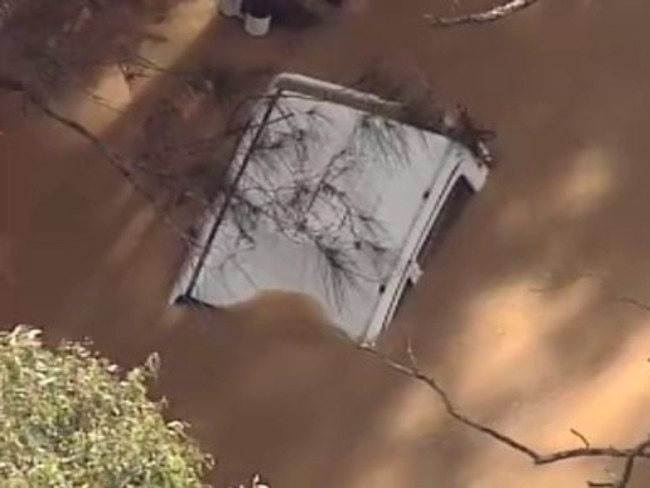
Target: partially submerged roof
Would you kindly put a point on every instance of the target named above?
(325, 196)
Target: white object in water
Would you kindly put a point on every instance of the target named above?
(257, 26)
(231, 8)
(407, 198)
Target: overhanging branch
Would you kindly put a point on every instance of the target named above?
(11, 84)
(630, 455)
(492, 15)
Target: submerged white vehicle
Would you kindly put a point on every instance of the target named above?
(332, 197)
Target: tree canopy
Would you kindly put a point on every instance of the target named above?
(69, 419)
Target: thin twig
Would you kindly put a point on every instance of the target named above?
(581, 437)
(607, 290)
(491, 15)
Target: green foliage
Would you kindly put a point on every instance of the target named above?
(68, 420)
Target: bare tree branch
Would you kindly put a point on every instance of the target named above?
(569, 277)
(580, 436)
(631, 455)
(492, 15)
(10, 84)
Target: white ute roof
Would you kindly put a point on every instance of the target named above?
(334, 202)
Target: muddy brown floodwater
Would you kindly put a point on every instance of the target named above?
(530, 315)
